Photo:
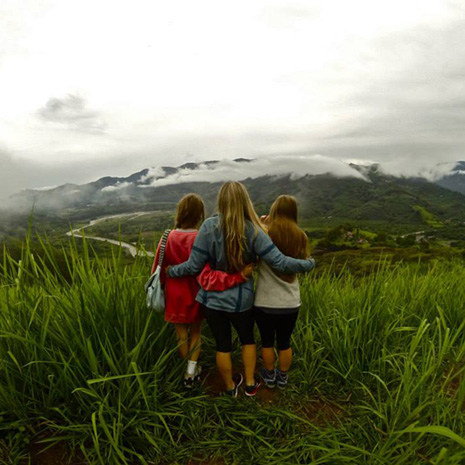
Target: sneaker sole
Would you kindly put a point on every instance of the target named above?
(253, 394)
(240, 381)
(235, 393)
(268, 384)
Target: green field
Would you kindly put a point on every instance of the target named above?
(87, 371)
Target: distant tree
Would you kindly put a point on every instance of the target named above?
(323, 244)
(424, 245)
(334, 234)
(381, 237)
(406, 241)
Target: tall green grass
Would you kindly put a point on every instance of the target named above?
(83, 360)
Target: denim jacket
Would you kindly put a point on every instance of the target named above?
(209, 247)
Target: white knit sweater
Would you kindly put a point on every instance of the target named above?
(273, 292)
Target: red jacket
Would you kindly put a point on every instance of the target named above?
(180, 304)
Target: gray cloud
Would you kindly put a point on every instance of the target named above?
(419, 107)
(397, 99)
(18, 173)
(9, 175)
(72, 112)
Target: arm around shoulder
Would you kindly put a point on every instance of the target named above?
(268, 252)
(197, 259)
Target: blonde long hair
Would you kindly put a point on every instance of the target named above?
(235, 207)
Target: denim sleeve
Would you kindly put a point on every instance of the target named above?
(267, 251)
(197, 259)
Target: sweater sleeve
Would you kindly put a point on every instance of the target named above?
(197, 259)
(215, 280)
(268, 252)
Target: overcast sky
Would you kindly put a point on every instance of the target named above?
(91, 88)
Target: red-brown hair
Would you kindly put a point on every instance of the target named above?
(190, 212)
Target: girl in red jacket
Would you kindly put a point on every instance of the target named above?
(181, 308)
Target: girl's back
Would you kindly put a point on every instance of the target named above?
(275, 289)
(180, 306)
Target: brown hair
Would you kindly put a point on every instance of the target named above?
(190, 212)
(284, 231)
(284, 207)
(235, 207)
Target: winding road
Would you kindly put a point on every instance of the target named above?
(133, 250)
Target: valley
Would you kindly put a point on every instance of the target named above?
(91, 374)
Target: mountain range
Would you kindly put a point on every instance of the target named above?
(353, 191)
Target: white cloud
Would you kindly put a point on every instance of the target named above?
(360, 162)
(228, 170)
(153, 173)
(416, 168)
(116, 187)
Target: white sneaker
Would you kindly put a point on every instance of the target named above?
(190, 380)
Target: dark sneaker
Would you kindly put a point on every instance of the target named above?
(252, 390)
(237, 379)
(198, 372)
(188, 383)
(281, 379)
(268, 377)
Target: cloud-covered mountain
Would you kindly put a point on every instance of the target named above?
(455, 179)
(323, 186)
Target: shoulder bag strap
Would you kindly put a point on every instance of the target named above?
(164, 239)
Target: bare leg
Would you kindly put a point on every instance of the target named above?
(285, 359)
(224, 363)
(249, 357)
(182, 338)
(195, 341)
(269, 358)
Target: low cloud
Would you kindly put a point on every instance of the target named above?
(154, 173)
(430, 172)
(46, 188)
(72, 112)
(296, 166)
(116, 187)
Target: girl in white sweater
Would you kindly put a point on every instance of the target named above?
(277, 295)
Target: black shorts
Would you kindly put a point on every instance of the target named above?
(279, 326)
(220, 325)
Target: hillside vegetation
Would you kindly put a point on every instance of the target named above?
(375, 197)
(376, 379)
